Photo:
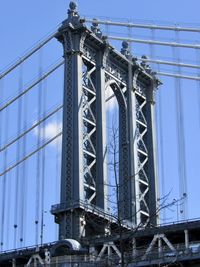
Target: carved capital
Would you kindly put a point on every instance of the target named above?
(73, 42)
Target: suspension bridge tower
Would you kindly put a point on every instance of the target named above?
(91, 66)
(90, 232)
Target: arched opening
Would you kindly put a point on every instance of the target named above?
(116, 137)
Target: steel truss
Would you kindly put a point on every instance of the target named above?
(142, 156)
(89, 132)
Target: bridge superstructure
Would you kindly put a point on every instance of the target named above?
(89, 234)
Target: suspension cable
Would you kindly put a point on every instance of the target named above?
(171, 63)
(30, 154)
(61, 62)
(143, 41)
(27, 130)
(143, 26)
(195, 78)
(27, 55)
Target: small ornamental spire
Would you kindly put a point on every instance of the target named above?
(125, 49)
(144, 64)
(73, 19)
(72, 11)
(95, 28)
(72, 8)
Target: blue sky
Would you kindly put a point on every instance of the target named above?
(23, 23)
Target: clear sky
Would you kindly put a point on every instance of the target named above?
(23, 23)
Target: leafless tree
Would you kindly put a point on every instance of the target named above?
(113, 165)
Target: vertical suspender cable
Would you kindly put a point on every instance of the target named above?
(162, 166)
(8, 207)
(1, 181)
(23, 177)
(8, 183)
(43, 164)
(4, 187)
(17, 183)
(180, 137)
(20, 204)
(3, 159)
(38, 173)
(6, 211)
(107, 28)
(159, 130)
(198, 82)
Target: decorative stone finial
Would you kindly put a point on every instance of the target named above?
(144, 63)
(95, 23)
(72, 6)
(125, 49)
(125, 45)
(73, 19)
(95, 28)
(144, 57)
(72, 11)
